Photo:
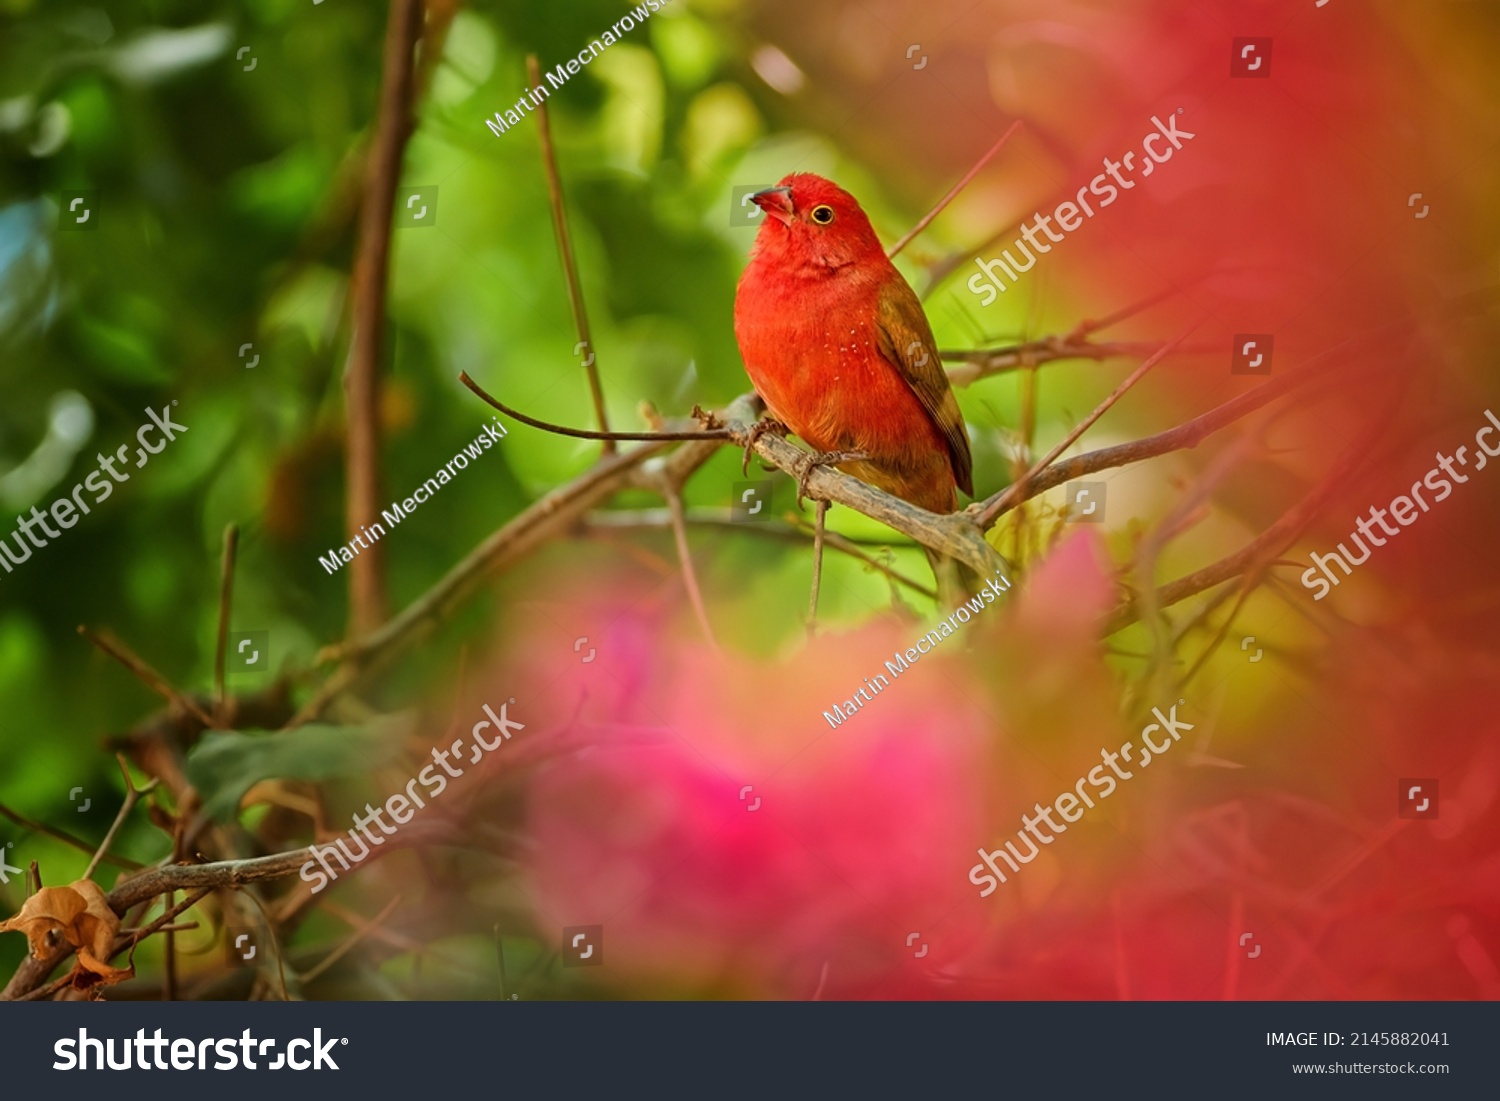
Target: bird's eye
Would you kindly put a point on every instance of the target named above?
(822, 214)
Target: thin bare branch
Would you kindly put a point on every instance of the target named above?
(399, 941)
(953, 192)
(175, 927)
(938, 273)
(800, 532)
(565, 246)
(685, 557)
(1124, 313)
(991, 510)
(584, 433)
(979, 363)
(1185, 436)
(1242, 595)
(953, 535)
(351, 941)
(440, 16)
(64, 836)
(145, 674)
(982, 363)
(1186, 511)
(1260, 551)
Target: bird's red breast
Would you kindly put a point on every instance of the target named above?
(837, 345)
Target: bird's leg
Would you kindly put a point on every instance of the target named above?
(766, 424)
(810, 462)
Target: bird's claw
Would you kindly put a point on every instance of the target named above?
(760, 428)
(810, 462)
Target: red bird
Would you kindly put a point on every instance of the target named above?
(838, 347)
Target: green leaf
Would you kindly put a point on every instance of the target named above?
(226, 764)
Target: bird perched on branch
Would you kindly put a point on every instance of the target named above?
(838, 347)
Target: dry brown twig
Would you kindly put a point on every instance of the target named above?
(393, 125)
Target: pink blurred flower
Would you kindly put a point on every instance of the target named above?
(701, 808)
(729, 840)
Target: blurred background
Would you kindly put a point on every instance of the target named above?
(1338, 198)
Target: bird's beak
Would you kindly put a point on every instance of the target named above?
(775, 201)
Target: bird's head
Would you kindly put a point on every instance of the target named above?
(813, 222)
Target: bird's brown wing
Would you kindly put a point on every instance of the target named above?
(906, 341)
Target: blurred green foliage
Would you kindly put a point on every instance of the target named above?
(221, 144)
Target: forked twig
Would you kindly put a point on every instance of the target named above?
(132, 796)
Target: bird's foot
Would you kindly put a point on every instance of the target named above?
(766, 425)
(808, 463)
